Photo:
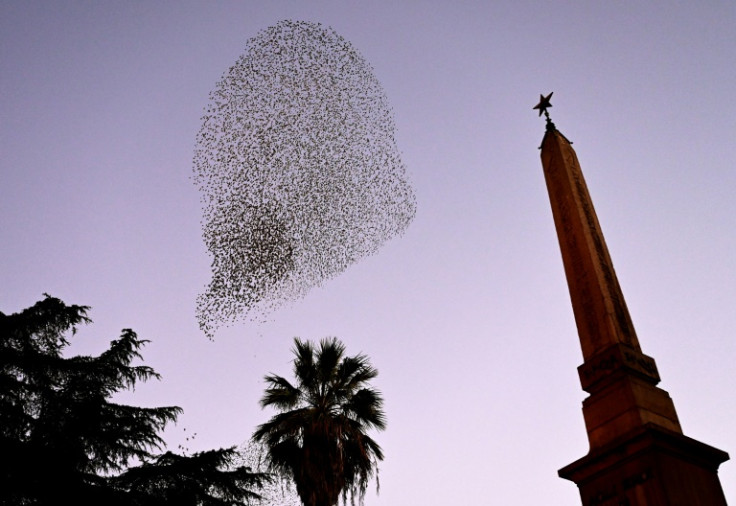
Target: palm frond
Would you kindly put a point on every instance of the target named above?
(303, 364)
(328, 360)
(280, 393)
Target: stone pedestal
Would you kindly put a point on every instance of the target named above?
(649, 466)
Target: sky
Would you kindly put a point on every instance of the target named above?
(466, 316)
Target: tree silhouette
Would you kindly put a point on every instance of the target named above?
(203, 479)
(319, 436)
(63, 440)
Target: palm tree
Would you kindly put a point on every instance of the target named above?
(319, 437)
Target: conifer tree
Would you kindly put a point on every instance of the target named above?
(62, 440)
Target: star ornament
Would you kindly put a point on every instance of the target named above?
(544, 103)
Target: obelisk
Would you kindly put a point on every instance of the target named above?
(638, 453)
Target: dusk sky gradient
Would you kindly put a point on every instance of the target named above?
(467, 315)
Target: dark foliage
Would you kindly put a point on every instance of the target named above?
(63, 441)
(319, 437)
(198, 480)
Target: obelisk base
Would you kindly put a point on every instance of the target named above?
(649, 466)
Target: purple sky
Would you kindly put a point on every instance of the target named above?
(467, 316)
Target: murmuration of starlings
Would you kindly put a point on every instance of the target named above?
(298, 169)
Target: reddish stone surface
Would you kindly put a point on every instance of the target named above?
(638, 454)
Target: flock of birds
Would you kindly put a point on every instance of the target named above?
(298, 170)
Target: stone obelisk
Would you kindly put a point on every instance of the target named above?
(638, 453)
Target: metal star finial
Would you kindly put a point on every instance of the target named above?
(542, 106)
